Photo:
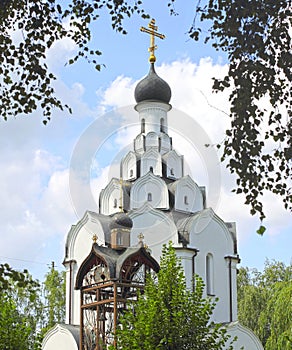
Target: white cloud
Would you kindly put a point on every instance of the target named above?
(119, 93)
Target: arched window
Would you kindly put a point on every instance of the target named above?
(143, 125)
(115, 203)
(171, 171)
(209, 274)
(149, 197)
(131, 173)
(151, 169)
(161, 125)
(186, 200)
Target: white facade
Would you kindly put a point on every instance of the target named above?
(164, 206)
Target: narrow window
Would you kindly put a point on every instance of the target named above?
(209, 274)
(151, 169)
(119, 238)
(149, 197)
(171, 171)
(186, 200)
(131, 173)
(161, 125)
(143, 125)
(115, 203)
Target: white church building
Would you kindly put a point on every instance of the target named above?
(151, 202)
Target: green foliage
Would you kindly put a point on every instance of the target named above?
(54, 288)
(258, 149)
(169, 316)
(15, 328)
(265, 304)
(19, 308)
(26, 310)
(10, 278)
(28, 28)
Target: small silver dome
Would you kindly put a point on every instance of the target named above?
(121, 220)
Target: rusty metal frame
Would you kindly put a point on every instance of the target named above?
(111, 298)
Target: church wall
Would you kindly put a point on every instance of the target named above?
(79, 247)
(187, 257)
(213, 240)
(156, 227)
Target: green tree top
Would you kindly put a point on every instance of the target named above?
(169, 316)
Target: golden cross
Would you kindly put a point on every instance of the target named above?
(141, 237)
(153, 33)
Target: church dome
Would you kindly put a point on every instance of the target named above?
(152, 87)
(121, 220)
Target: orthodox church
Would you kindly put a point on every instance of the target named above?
(151, 202)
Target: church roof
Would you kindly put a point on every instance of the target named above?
(115, 260)
(152, 88)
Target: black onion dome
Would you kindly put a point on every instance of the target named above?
(152, 87)
(121, 220)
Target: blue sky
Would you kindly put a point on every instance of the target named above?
(39, 189)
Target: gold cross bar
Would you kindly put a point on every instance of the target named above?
(153, 33)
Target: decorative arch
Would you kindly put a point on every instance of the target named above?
(110, 196)
(165, 143)
(207, 226)
(173, 165)
(151, 161)
(151, 141)
(146, 184)
(188, 196)
(157, 227)
(129, 166)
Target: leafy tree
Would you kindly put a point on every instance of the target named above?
(27, 311)
(265, 303)
(54, 293)
(169, 316)
(15, 329)
(53, 303)
(254, 34)
(20, 305)
(10, 278)
(258, 146)
(29, 28)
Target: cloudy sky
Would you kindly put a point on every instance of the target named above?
(51, 174)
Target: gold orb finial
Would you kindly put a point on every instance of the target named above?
(94, 238)
(153, 33)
